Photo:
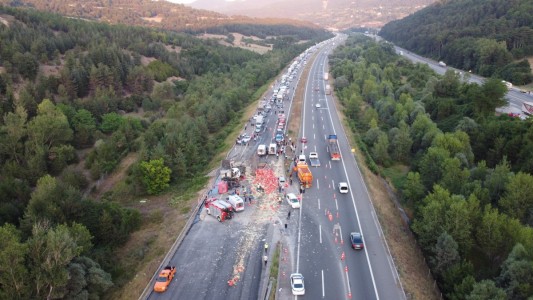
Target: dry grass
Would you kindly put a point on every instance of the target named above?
(147, 247)
(411, 265)
(238, 42)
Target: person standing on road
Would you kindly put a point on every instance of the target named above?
(265, 259)
(266, 247)
(289, 215)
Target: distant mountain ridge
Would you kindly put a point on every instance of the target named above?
(151, 13)
(330, 13)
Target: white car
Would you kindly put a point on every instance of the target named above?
(292, 200)
(343, 187)
(297, 284)
(318, 105)
(313, 155)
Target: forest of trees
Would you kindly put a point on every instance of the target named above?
(108, 95)
(487, 37)
(469, 185)
(159, 14)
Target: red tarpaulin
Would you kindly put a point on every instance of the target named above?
(222, 187)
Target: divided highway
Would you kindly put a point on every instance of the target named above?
(318, 234)
(332, 270)
(514, 96)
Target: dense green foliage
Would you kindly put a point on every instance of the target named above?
(485, 36)
(470, 180)
(70, 85)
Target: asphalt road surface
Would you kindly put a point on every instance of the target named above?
(318, 236)
(214, 252)
(515, 96)
(332, 270)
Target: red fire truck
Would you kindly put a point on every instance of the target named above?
(219, 209)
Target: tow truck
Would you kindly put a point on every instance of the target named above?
(313, 158)
(165, 278)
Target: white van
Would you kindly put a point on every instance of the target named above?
(272, 149)
(301, 159)
(236, 202)
(261, 150)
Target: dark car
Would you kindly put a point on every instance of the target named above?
(357, 241)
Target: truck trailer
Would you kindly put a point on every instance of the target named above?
(328, 89)
(333, 147)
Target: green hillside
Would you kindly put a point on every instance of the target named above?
(76, 99)
(488, 37)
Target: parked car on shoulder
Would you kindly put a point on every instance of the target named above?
(292, 200)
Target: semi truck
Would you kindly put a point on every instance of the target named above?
(259, 120)
(304, 175)
(328, 89)
(333, 147)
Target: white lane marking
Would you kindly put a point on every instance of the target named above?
(336, 204)
(319, 204)
(355, 208)
(323, 291)
(317, 184)
(333, 183)
(320, 232)
(340, 232)
(314, 136)
(323, 126)
(348, 283)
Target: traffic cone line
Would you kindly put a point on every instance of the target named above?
(346, 269)
(350, 295)
(343, 256)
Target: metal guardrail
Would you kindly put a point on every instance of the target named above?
(148, 289)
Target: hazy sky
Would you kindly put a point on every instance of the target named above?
(181, 1)
(186, 1)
